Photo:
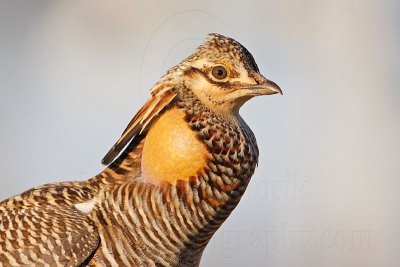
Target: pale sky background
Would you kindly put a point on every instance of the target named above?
(73, 73)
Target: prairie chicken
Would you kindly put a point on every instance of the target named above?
(174, 176)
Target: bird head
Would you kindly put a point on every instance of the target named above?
(223, 75)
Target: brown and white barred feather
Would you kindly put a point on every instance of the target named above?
(41, 227)
(122, 217)
(170, 225)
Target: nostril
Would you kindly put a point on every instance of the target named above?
(259, 79)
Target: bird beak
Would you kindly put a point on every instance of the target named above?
(266, 88)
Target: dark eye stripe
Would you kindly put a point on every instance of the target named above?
(192, 70)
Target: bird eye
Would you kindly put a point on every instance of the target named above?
(219, 72)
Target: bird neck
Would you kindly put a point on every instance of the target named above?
(210, 194)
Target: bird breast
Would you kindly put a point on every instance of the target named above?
(172, 151)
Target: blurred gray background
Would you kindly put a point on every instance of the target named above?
(73, 73)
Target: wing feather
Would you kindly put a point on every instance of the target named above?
(162, 96)
(45, 235)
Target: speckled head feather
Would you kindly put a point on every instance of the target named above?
(219, 48)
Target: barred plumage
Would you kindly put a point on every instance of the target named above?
(188, 160)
